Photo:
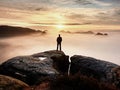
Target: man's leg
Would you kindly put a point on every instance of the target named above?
(60, 46)
(57, 46)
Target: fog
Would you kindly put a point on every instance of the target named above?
(100, 47)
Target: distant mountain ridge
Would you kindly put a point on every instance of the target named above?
(9, 31)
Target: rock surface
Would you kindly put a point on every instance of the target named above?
(44, 67)
(34, 68)
(9, 83)
(60, 60)
(91, 67)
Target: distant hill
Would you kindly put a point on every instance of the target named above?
(9, 31)
(78, 32)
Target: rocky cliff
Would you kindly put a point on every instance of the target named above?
(34, 68)
(91, 67)
(51, 65)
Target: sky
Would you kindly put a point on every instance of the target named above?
(61, 14)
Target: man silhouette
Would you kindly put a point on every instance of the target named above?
(59, 40)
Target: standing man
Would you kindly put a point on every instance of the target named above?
(59, 40)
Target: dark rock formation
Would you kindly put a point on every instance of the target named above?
(79, 82)
(103, 34)
(116, 73)
(9, 83)
(78, 32)
(60, 60)
(34, 68)
(101, 70)
(47, 68)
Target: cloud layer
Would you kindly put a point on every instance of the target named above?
(76, 12)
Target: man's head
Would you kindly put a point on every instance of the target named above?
(59, 35)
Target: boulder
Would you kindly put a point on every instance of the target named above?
(116, 73)
(9, 83)
(60, 60)
(34, 68)
(91, 67)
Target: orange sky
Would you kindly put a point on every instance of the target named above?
(62, 14)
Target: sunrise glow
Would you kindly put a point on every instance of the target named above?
(58, 15)
(60, 26)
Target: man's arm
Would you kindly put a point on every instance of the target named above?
(61, 39)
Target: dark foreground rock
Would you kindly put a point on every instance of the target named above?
(59, 59)
(79, 82)
(9, 83)
(35, 68)
(91, 67)
(49, 71)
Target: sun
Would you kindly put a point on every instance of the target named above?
(60, 26)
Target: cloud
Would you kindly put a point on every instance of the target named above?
(50, 24)
(108, 17)
(103, 15)
(76, 16)
(86, 23)
(58, 3)
(74, 11)
(14, 16)
(41, 9)
(116, 15)
(73, 2)
(81, 18)
(110, 1)
(101, 3)
(4, 45)
(26, 4)
(78, 32)
(117, 12)
(97, 3)
(84, 2)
